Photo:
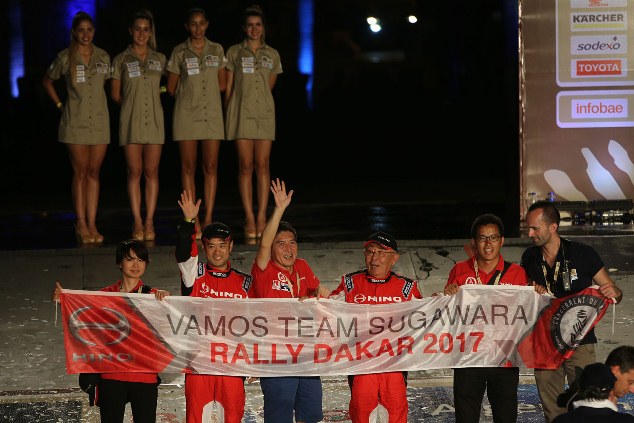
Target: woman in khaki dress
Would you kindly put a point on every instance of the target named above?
(196, 77)
(85, 124)
(136, 86)
(252, 69)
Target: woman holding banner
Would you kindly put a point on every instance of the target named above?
(115, 390)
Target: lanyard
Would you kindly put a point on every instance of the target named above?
(298, 284)
(477, 274)
(554, 276)
(293, 285)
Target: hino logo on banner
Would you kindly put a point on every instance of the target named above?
(76, 326)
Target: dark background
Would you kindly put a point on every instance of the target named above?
(435, 131)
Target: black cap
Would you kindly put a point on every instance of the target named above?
(217, 230)
(384, 239)
(597, 375)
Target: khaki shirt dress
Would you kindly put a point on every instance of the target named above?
(85, 119)
(141, 117)
(251, 109)
(198, 106)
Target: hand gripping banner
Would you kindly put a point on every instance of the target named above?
(480, 326)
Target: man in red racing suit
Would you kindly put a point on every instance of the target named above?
(378, 284)
(215, 279)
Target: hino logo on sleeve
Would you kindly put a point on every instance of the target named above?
(120, 328)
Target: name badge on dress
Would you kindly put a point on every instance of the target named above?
(102, 67)
(154, 65)
(80, 74)
(211, 61)
(133, 69)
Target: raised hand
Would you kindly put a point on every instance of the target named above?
(278, 188)
(187, 205)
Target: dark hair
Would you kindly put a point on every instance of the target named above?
(623, 357)
(592, 393)
(194, 10)
(125, 249)
(286, 227)
(79, 17)
(147, 15)
(486, 219)
(550, 213)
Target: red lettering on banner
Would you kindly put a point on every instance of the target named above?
(324, 353)
(405, 343)
(295, 353)
(219, 350)
(326, 349)
(274, 359)
(253, 354)
(385, 348)
(256, 355)
(344, 352)
(445, 342)
(363, 349)
(240, 354)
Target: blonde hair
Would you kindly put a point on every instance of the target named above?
(79, 17)
(147, 15)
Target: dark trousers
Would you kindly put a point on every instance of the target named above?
(500, 384)
(113, 395)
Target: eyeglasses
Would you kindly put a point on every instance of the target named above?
(492, 238)
(379, 253)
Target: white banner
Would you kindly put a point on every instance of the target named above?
(479, 326)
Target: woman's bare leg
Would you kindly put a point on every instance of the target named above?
(79, 158)
(210, 149)
(245, 184)
(151, 160)
(95, 160)
(263, 180)
(134, 160)
(188, 151)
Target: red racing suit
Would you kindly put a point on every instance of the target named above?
(203, 393)
(388, 389)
